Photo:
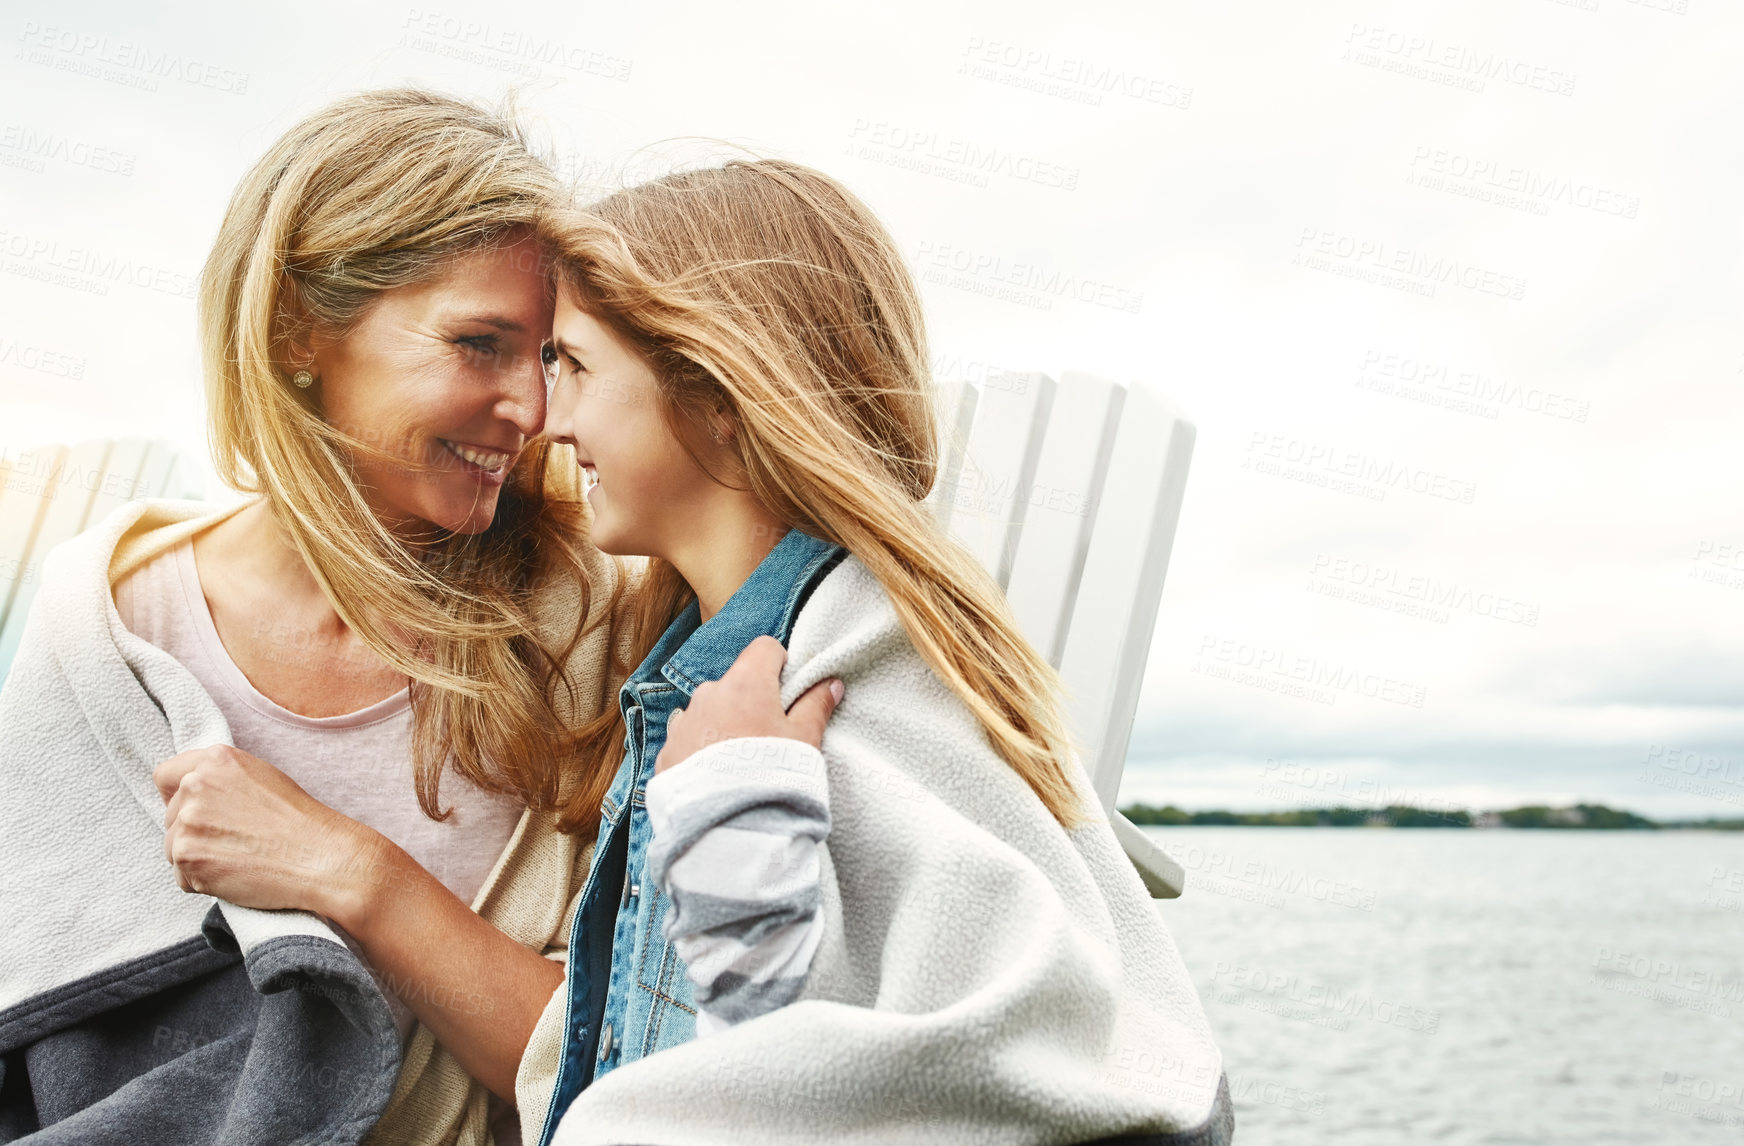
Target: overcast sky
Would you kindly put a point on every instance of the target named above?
(1493, 246)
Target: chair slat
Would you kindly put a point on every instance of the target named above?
(991, 494)
(1116, 611)
(65, 499)
(1055, 539)
(167, 474)
(956, 413)
(82, 477)
(1163, 877)
(29, 487)
(121, 478)
(49, 494)
(185, 480)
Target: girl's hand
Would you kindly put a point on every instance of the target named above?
(747, 702)
(240, 829)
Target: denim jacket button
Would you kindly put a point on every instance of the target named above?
(605, 1050)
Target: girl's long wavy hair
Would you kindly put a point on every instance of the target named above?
(766, 292)
(378, 191)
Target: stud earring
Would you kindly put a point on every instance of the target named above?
(303, 379)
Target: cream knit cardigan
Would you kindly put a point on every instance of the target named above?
(531, 893)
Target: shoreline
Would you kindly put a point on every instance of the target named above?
(1534, 817)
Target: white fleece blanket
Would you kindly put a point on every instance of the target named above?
(86, 713)
(986, 977)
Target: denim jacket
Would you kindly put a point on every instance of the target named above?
(627, 994)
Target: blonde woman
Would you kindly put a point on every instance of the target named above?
(927, 932)
(365, 681)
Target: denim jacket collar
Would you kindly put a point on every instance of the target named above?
(626, 993)
(690, 653)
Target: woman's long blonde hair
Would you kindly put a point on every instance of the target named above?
(767, 292)
(373, 192)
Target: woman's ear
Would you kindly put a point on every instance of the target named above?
(723, 428)
(294, 333)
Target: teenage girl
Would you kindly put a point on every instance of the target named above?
(963, 952)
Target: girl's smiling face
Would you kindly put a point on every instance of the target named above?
(646, 488)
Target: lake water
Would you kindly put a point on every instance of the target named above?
(1382, 987)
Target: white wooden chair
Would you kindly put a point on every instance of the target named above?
(1069, 493)
(50, 493)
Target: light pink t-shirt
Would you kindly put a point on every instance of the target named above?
(359, 764)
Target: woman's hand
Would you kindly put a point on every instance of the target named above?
(747, 702)
(240, 829)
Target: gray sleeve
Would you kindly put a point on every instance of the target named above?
(736, 829)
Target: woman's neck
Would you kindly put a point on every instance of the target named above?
(254, 547)
(721, 556)
(278, 626)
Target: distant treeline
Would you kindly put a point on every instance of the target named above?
(1589, 817)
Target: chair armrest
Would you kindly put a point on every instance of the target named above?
(1163, 877)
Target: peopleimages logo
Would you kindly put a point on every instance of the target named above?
(43, 361)
(1690, 763)
(504, 48)
(1071, 78)
(1667, 980)
(1384, 370)
(1216, 656)
(1320, 463)
(1403, 588)
(134, 65)
(926, 151)
(1426, 57)
(88, 269)
(40, 473)
(1376, 260)
(1286, 781)
(1024, 282)
(1534, 186)
(1295, 997)
(38, 147)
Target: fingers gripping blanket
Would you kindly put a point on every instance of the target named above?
(131, 1011)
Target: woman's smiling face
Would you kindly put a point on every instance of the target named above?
(605, 402)
(448, 375)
